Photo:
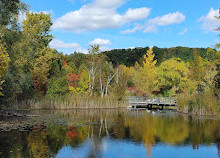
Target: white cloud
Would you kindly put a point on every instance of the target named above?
(104, 48)
(81, 50)
(183, 32)
(108, 3)
(171, 18)
(152, 24)
(99, 14)
(67, 47)
(101, 42)
(75, 47)
(136, 28)
(209, 22)
(149, 28)
(135, 14)
(58, 44)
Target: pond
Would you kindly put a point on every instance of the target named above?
(109, 134)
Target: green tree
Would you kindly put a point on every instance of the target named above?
(4, 61)
(203, 71)
(92, 66)
(35, 39)
(83, 83)
(106, 76)
(217, 77)
(198, 69)
(58, 86)
(34, 54)
(211, 54)
(9, 8)
(37, 27)
(173, 77)
(78, 59)
(9, 14)
(41, 69)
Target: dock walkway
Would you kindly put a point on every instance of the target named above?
(147, 102)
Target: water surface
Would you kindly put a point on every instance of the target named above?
(109, 134)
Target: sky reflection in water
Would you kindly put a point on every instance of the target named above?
(123, 149)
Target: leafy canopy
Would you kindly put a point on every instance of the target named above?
(4, 61)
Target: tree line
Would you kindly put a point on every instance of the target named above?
(129, 56)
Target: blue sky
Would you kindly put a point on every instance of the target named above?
(130, 23)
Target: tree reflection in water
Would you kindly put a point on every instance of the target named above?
(92, 133)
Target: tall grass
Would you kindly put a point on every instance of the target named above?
(205, 103)
(72, 101)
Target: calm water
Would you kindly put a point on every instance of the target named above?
(109, 134)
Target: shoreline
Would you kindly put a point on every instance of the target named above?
(99, 108)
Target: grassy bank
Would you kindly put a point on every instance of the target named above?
(72, 101)
(206, 103)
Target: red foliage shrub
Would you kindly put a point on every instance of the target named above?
(73, 79)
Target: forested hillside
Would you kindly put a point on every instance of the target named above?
(129, 56)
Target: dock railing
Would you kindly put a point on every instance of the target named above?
(153, 100)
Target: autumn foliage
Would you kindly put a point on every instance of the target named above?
(73, 79)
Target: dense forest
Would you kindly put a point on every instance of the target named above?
(34, 75)
(129, 56)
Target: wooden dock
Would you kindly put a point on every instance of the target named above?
(149, 103)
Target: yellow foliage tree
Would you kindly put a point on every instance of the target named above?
(173, 77)
(4, 60)
(37, 27)
(41, 67)
(144, 76)
(83, 83)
